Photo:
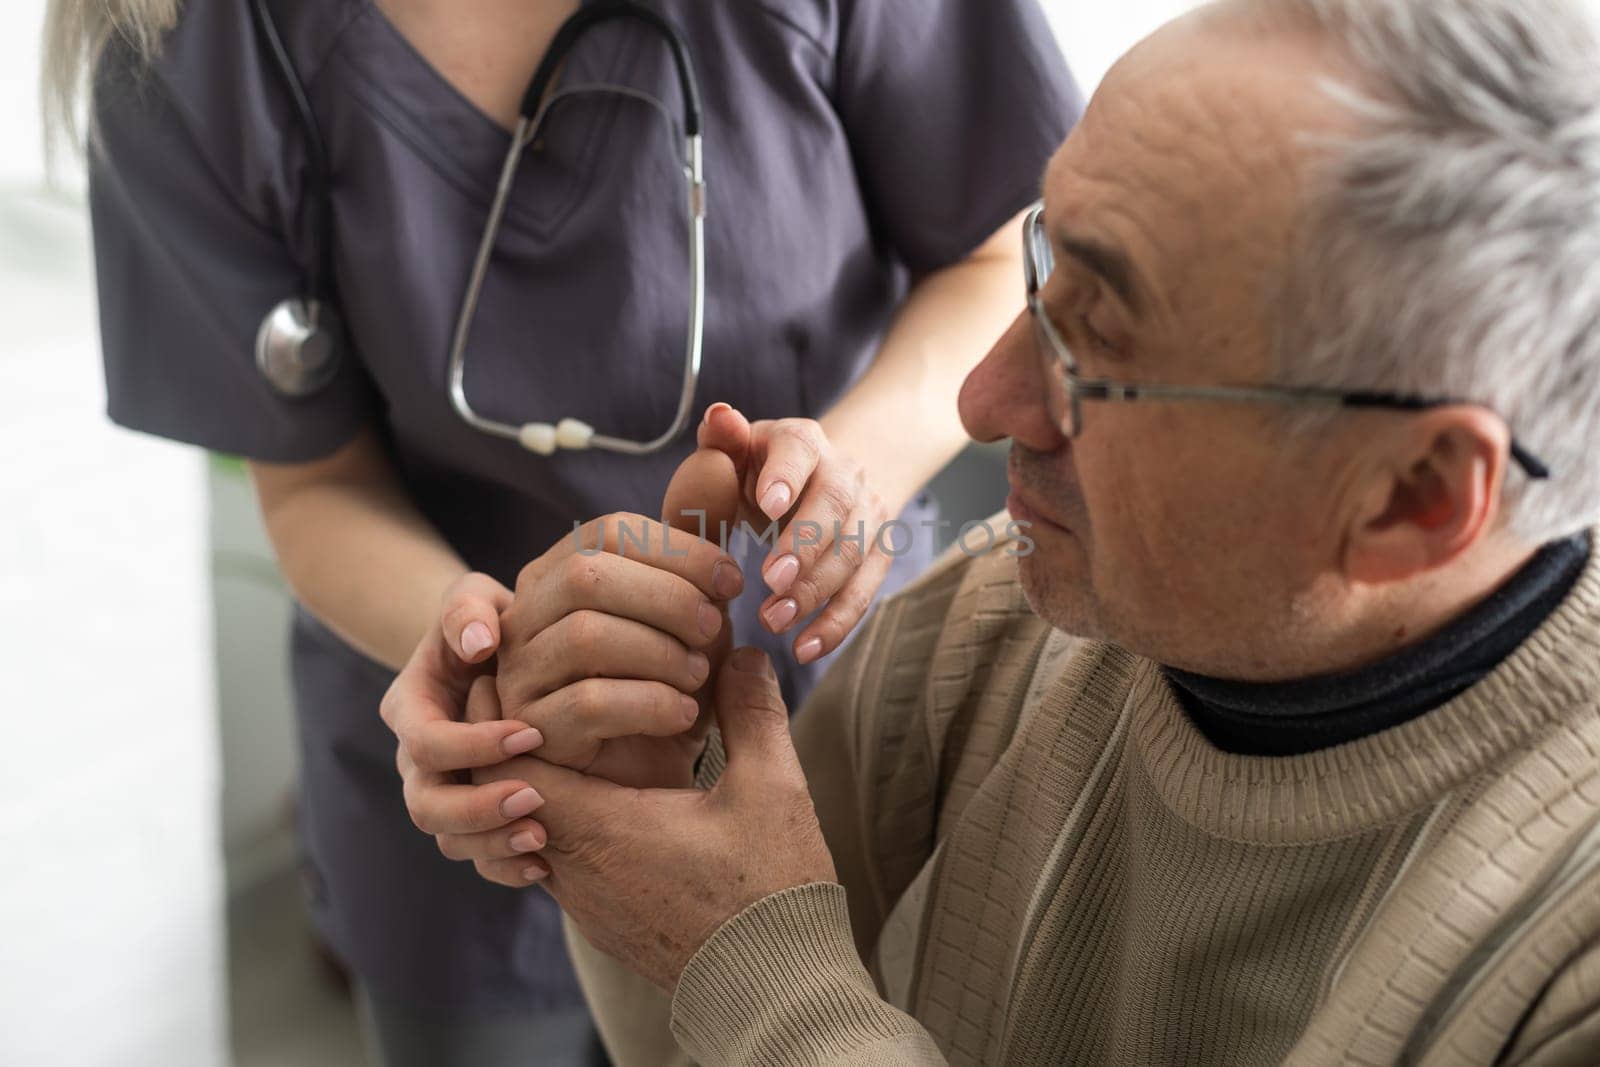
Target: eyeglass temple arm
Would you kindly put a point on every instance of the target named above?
(1114, 392)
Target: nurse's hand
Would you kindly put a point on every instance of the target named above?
(830, 551)
(426, 708)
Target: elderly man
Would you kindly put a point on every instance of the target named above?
(1303, 413)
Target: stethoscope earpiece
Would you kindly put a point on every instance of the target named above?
(297, 347)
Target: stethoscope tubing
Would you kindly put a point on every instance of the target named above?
(542, 438)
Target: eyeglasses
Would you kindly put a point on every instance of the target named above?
(1067, 389)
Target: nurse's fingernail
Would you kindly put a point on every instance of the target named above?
(710, 621)
(520, 803)
(522, 742)
(776, 500)
(727, 580)
(781, 575)
(475, 638)
(533, 874)
(699, 668)
(527, 841)
(808, 650)
(781, 614)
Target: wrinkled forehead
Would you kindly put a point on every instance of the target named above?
(1193, 155)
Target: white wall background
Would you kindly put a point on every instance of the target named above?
(111, 828)
(111, 948)
(1094, 34)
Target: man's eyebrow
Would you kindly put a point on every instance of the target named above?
(1109, 263)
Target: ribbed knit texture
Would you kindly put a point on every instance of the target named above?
(841, 1016)
(1110, 888)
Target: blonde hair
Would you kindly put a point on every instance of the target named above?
(76, 32)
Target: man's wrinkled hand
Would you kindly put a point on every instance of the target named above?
(615, 635)
(648, 875)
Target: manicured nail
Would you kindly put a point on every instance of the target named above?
(727, 580)
(526, 841)
(520, 803)
(808, 650)
(776, 501)
(710, 621)
(533, 874)
(781, 575)
(782, 614)
(475, 638)
(699, 668)
(522, 742)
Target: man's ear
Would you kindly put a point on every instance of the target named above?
(1434, 496)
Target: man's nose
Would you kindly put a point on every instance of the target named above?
(1004, 397)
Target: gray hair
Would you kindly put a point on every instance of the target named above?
(76, 32)
(1451, 243)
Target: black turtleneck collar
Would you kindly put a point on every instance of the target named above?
(1294, 718)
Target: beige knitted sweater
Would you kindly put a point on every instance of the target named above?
(1044, 862)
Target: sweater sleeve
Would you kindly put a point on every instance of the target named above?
(1563, 1028)
(781, 983)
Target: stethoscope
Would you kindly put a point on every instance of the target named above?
(301, 342)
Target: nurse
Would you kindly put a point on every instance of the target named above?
(862, 160)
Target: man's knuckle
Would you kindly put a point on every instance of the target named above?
(666, 703)
(529, 575)
(421, 817)
(582, 574)
(419, 749)
(672, 660)
(578, 633)
(584, 702)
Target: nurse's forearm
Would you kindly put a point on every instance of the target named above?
(900, 421)
(355, 550)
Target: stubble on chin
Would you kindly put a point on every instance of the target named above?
(1064, 600)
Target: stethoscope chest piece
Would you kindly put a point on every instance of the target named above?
(297, 347)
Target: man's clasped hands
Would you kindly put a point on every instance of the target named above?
(551, 735)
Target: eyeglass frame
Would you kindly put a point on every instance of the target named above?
(1062, 369)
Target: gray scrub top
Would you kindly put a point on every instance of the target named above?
(850, 146)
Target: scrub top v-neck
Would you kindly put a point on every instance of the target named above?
(852, 145)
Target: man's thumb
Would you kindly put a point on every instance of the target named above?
(751, 713)
(726, 430)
